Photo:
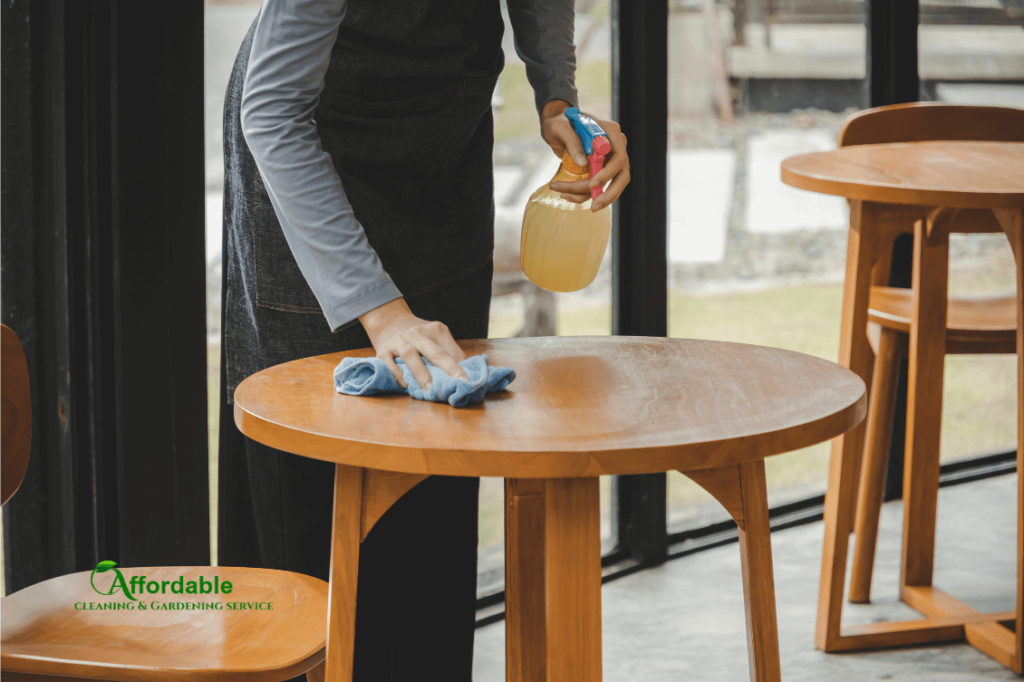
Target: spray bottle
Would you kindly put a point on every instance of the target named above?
(563, 243)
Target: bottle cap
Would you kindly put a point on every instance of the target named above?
(573, 167)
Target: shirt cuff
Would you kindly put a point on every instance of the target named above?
(346, 313)
(558, 90)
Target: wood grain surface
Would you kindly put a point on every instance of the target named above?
(346, 534)
(994, 314)
(43, 633)
(935, 189)
(553, 580)
(950, 174)
(878, 429)
(579, 406)
(930, 121)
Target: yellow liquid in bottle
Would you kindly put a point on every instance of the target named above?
(563, 243)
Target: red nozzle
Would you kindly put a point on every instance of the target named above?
(601, 148)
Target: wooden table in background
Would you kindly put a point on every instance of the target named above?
(930, 189)
(580, 408)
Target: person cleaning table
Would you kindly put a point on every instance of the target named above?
(358, 211)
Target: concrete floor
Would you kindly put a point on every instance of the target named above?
(684, 620)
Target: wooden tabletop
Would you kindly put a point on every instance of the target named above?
(579, 406)
(956, 174)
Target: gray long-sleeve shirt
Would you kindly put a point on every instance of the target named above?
(291, 50)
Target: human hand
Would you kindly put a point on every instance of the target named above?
(558, 132)
(395, 331)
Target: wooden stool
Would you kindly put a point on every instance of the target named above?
(973, 326)
(919, 122)
(49, 633)
(930, 169)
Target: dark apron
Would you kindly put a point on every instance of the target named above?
(405, 116)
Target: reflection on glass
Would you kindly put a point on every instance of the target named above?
(752, 82)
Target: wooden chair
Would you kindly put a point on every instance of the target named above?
(46, 636)
(975, 325)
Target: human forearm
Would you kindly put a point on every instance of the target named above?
(290, 53)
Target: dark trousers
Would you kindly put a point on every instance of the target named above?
(416, 598)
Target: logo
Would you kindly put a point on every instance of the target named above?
(118, 584)
(209, 594)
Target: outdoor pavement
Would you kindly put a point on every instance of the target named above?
(774, 207)
(684, 620)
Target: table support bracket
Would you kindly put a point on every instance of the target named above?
(742, 490)
(381, 489)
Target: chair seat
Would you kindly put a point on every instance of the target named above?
(52, 628)
(989, 321)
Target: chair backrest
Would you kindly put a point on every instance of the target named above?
(927, 121)
(15, 413)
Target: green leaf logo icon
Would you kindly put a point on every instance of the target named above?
(118, 584)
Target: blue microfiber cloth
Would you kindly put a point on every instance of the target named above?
(366, 376)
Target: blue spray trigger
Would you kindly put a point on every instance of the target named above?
(585, 127)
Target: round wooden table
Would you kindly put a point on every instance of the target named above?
(579, 408)
(931, 189)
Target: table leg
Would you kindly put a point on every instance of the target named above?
(552, 580)
(758, 576)
(361, 496)
(341, 605)
(881, 411)
(1012, 222)
(742, 490)
(844, 473)
(927, 351)
(1016, 234)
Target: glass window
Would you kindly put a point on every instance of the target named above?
(752, 260)
(973, 54)
(523, 162)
